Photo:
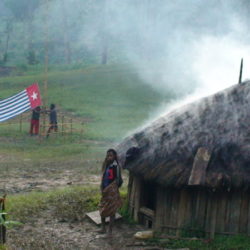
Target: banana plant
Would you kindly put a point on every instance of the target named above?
(7, 223)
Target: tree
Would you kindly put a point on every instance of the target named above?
(67, 48)
(24, 11)
(104, 58)
(8, 30)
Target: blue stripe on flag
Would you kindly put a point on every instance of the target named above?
(13, 104)
(10, 110)
(14, 97)
(14, 100)
(15, 113)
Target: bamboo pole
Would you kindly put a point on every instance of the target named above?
(46, 58)
(82, 131)
(62, 125)
(20, 123)
(44, 120)
(71, 128)
(241, 68)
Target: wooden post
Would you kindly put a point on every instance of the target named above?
(213, 215)
(62, 125)
(44, 121)
(182, 211)
(82, 131)
(20, 123)
(241, 68)
(137, 202)
(46, 57)
(160, 208)
(2, 227)
(244, 207)
(71, 128)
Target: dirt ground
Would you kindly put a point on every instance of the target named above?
(47, 232)
(50, 233)
(20, 176)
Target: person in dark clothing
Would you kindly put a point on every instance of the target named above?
(52, 119)
(34, 123)
(111, 181)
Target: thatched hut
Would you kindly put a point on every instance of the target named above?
(190, 169)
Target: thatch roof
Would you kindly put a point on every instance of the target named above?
(165, 151)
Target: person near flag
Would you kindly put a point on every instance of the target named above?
(34, 123)
(52, 119)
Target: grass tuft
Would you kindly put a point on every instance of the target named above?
(67, 204)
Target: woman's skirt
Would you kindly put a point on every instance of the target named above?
(110, 201)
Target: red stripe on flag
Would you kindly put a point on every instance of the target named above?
(34, 95)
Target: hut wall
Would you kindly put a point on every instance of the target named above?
(195, 210)
(134, 192)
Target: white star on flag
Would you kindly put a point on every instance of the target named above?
(34, 96)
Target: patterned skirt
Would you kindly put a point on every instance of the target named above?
(110, 201)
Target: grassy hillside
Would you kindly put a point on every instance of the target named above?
(113, 99)
(109, 100)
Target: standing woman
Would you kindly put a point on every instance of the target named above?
(111, 181)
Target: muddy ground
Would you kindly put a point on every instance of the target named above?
(48, 232)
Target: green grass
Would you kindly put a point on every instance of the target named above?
(110, 101)
(69, 204)
(113, 98)
(238, 242)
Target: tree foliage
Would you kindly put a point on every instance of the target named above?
(22, 10)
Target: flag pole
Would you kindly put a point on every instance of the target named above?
(46, 62)
(46, 58)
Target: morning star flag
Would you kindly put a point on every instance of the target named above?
(19, 103)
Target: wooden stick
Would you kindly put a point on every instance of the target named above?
(241, 68)
(62, 125)
(20, 123)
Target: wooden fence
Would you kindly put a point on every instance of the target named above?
(67, 126)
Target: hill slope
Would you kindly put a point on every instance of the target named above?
(112, 98)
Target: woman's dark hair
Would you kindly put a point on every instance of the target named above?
(111, 150)
(52, 106)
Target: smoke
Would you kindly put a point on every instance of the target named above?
(188, 49)
(194, 50)
(178, 47)
(196, 57)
